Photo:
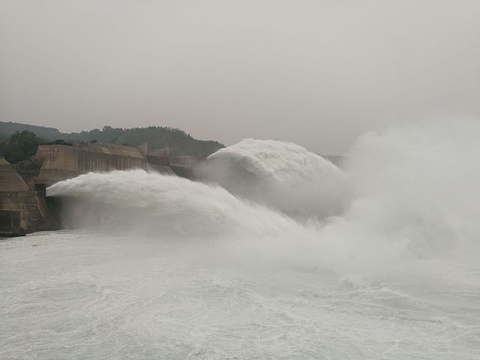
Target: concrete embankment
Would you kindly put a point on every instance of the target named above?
(22, 209)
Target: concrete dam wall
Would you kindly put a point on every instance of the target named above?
(62, 162)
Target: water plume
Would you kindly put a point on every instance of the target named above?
(150, 203)
(278, 174)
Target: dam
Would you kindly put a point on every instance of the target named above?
(24, 207)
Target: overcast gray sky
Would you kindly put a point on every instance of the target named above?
(314, 72)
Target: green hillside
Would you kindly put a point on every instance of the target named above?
(179, 142)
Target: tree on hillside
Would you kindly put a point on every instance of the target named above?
(20, 146)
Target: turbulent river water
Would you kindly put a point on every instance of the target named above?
(277, 254)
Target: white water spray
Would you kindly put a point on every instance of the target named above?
(278, 174)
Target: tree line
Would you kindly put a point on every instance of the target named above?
(18, 142)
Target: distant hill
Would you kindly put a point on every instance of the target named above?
(48, 133)
(179, 142)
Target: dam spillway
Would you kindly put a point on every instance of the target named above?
(24, 207)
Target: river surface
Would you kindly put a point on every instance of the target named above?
(77, 295)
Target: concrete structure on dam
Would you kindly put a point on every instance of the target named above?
(22, 209)
(62, 162)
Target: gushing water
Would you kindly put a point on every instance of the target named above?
(279, 254)
(278, 174)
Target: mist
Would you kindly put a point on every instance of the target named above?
(316, 73)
